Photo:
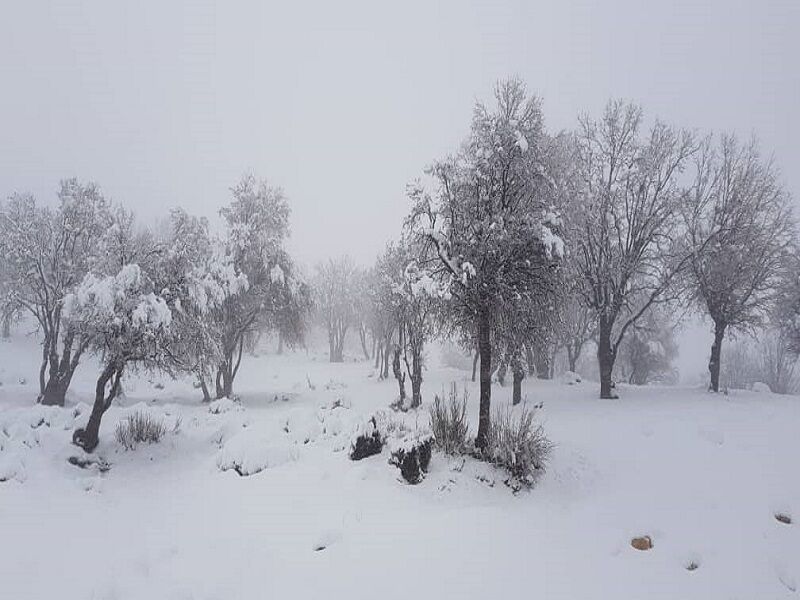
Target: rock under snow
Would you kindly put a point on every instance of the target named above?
(251, 451)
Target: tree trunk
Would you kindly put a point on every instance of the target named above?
(280, 343)
(572, 357)
(542, 364)
(88, 437)
(530, 360)
(6, 326)
(204, 387)
(416, 382)
(475, 365)
(519, 375)
(605, 359)
(485, 351)
(399, 375)
(362, 334)
(715, 362)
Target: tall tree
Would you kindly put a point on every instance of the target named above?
(628, 248)
(257, 226)
(484, 226)
(740, 229)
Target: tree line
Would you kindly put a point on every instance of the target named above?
(521, 244)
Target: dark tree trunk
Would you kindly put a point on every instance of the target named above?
(475, 365)
(715, 363)
(60, 371)
(605, 359)
(7, 326)
(88, 437)
(399, 374)
(387, 344)
(519, 375)
(416, 381)
(204, 387)
(485, 351)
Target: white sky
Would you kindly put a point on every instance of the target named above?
(342, 103)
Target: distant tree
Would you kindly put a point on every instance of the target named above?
(648, 351)
(483, 227)
(628, 248)
(336, 292)
(740, 229)
(46, 253)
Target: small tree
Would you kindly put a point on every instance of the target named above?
(740, 230)
(628, 250)
(415, 299)
(127, 325)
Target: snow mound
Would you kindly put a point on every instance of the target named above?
(223, 405)
(11, 467)
(761, 388)
(569, 378)
(250, 452)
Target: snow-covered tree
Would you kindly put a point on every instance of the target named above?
(46, 253)
(415, 299)
(276, 298)
(628, 251)
(740, 230)
(336, 293)
(197, 274)
(127, 324)
(484, 224)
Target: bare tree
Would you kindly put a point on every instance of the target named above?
(740, 229)
(336, 292)
(631, 198)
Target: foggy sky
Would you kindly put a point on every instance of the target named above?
(343, 103)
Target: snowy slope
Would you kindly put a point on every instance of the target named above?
(702, 475)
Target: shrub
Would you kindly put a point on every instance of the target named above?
(518, 445)
(449, 422)
(412, 455)
(138, 428)
(367, 440)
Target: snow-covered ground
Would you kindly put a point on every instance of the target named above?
(702, 475)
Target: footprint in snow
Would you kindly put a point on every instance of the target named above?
(326, 539)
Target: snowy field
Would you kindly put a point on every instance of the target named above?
(702, 475)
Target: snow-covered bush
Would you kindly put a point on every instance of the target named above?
(519, 445)
(367, 440)
(449, 422)
(251, 451)
(139, 428)
(412, 455)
